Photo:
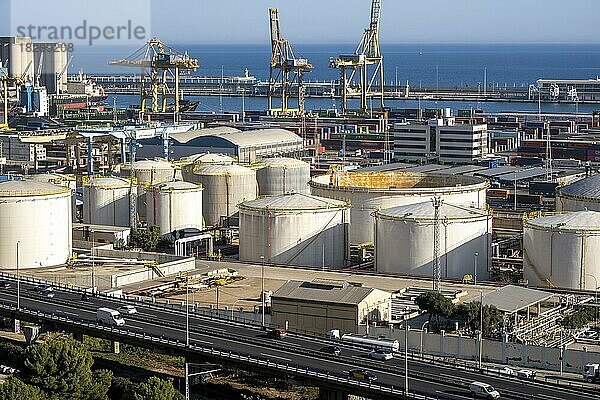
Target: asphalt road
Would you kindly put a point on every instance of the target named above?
(424, 377)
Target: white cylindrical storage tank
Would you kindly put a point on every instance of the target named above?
(38, 216)
(294, 229)
(282, 175)
(149, 172)
(581, 195)
(562, 250)
(225, 186)
(370, 191)
(67, 181)
(404, 240)
(174, 206)
(208, 158)
(106, 201)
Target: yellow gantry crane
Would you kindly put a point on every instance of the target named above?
(366, 62)
(285, 71)
(163, 65)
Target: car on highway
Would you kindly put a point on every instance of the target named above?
(333, 350)
(483, 391)
(381, 354)
(127, 310)
(44, 290)
(277, 333)
(526, 374)
(4, 284)
(362, 375)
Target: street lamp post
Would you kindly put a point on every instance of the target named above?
(262, 290)
(475, 256)
(480, 328)
(421, 341)
(18, 279)
(406, 329)
(187, 317)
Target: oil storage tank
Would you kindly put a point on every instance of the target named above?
(562, 250)
(225, 186)
(404, 240)
(580, 195)
(294, 229)
(174, 206)
(107, 201)
(147, 173)
(38, 216)
(282, 175)
(371, 191)
(68, 181)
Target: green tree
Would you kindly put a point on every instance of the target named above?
(145, 238)
(62, 368)
(16, 389)
(11, 354)
(470, 314)
(436, 304)
(157, 389)
(121, 389)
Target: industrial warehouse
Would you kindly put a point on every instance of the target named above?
(322, 234)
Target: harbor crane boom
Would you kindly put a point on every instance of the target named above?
(285, 71)
(163, 66)
(366, 65)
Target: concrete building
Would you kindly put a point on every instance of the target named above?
(321, 305)
(440, 139)
(247, 146)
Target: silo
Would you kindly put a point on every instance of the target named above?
(174, 206)
(294, 229)
(106, 201)
(404, 240)
(147, 173)
(38, 216)
(562, 250)
(225, 186)
(371, 191)
(581, 195)
(282, 175)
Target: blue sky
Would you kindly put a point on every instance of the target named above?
(411, 21)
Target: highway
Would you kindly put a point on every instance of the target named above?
(434, 379)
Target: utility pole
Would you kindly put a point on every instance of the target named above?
(475, 256)
(437, 273)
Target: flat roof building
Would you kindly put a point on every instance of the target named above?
(322, 305)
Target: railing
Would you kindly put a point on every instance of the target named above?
(197, 312)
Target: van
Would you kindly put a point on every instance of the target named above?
(109, 316)
(483, 391)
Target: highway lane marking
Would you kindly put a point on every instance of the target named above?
(67, 312)
(270, 355)
(456, 396)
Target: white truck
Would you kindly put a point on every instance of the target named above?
(109, 316)
(591, 372)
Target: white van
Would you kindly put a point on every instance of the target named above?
(109, 316)
(483, 390)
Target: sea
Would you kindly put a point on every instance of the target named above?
(432, 65)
